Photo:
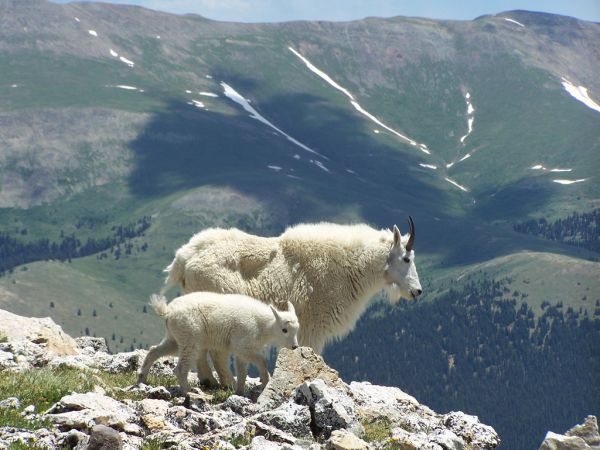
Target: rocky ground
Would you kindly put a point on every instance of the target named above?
(306, 405)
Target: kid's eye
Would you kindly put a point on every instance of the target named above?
(284, 330)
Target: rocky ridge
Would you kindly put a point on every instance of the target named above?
(306, 405)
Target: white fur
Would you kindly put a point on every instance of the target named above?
(327, 271)
(203, 321)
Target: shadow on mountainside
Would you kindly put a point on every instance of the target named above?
(376, 176)
(186, 147)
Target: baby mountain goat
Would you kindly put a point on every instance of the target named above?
(229, 323)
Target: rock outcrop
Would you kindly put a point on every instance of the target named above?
(49, 336)
(306, 405)
(580, 437)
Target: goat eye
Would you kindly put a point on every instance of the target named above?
(284, 330)
(406, 259)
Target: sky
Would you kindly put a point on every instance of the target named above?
(285, 10)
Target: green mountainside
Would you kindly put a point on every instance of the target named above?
(123, 131)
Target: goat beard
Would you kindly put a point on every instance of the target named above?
(394, 293)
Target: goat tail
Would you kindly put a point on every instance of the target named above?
(159, 304)
(175, 274)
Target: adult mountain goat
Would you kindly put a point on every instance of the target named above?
(328, 272)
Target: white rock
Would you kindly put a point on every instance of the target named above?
(261, 443)
(42, 331)
(554, 441)
(332, 409)
(471, 430)
(239, 405)
(588, 431)
(344, 440)
(413, 441)
(83, 411)
(446, 439)
(96, 344)
(289, 417)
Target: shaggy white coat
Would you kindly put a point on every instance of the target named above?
(202, 321)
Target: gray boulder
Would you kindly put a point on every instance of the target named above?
(294, 367)
(291, 418)
(331, 409)
(104, 438)
(41, 331)
(83, 411)
(344, 440)
(580, 437)
(588, 431)
(554, 441)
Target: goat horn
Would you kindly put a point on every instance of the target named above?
(411, 238)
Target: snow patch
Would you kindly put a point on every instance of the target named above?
(127, 61)
(208, 76)
(296, 156)
(470, 117)
(76, 19)
(124, 86)
(468, 155)
(275, 168)
(113, 53)
(361, 110)
(208, 94)
(157, 36)
(196, 103)
(428, 166)
(351, 171)
(353, 101)
(244, 103)
(320, 165)
(322, 74)
(456, 184)
(514, 21)
(569, 181)
(580, 93)
(541, 167)
(93, 33)
(14, 85)
(449, 165)
(187, 91)
(376, 131)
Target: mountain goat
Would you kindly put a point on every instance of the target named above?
(228, 323)
(327, 271)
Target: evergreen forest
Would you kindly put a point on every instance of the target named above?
(474, 349)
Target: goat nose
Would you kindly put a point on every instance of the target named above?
(419, 291)
(294, 347)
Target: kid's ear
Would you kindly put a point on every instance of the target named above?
(277, 316)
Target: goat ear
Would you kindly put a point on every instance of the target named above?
(397, 236)
(291, 308)
(277, 316)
